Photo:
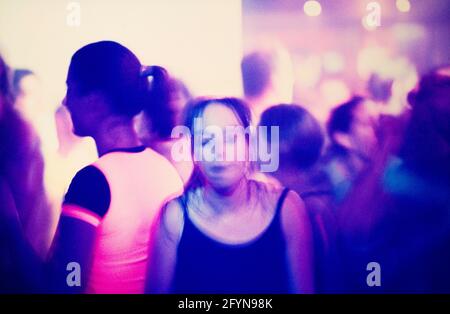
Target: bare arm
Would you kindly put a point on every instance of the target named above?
(299, 240)
(163, 250)
(74, 242)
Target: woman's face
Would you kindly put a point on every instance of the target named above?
(219, 169)
(82, 111)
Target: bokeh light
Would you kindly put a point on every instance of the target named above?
(403, 5)
(312, 8)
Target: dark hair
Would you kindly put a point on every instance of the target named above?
(342, 117)
(158, 106)
(256, 71)
(419, 147)
(433, 87)
(113, 70)
(181, 87)
(380, 89)
(195, 110)
(18, 75)
(301, 137)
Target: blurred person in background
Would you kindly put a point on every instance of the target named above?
(162, 112)
(301, 141)
(268, 79)
(228, 233)
(398, 213)
(352, 132)
(24, 211)
(28, 90)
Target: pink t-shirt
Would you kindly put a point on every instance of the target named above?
(139, 184)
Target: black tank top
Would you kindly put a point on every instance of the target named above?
(205, 265)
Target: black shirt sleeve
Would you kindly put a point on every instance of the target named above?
(89, 189)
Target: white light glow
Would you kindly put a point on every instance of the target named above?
(403, 5)
(308, 71)
(312, 8)
(333, 92)
(333, 62)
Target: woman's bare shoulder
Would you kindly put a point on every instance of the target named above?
(294, 217)
(267, 192)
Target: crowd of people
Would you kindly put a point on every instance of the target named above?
(366, 187)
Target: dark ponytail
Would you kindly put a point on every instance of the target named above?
(158, 107)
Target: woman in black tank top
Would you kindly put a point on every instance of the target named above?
(226, 233)
(206, 265)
